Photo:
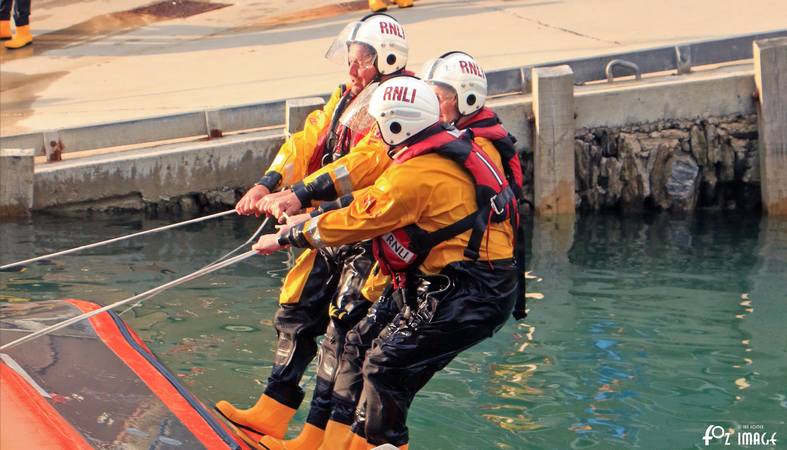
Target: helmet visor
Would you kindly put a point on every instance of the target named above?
(429, 68)
(356, 117)
(337, 52)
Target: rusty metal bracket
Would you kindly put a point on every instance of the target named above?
(213, 124)
(53, 146)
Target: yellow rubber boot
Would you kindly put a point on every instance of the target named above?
(5, 29)
(21, 38)
(337, 436)
(309, 439)
(267, 416)
(404, 3)
(378, 5)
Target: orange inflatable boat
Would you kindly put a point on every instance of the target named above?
(94, 385)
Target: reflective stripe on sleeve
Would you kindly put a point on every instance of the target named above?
(342, 181)
(312, 233)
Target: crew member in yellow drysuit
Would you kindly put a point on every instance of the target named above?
(326, 279)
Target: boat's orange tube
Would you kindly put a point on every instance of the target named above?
(28, 421)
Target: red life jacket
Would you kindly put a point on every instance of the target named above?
(486, 124)
(335, 140)
(403, 250)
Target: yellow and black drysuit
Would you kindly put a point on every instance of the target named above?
(317, 278)
(309, 149)
(361, 166)
(423, 213)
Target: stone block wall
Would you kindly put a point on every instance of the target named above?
(672, 165)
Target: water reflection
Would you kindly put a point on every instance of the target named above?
(641, 332)
(764, 341)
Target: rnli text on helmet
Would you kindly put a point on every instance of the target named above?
(398, 93)
(472, 68)
(391, 28)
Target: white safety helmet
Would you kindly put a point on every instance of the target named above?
(403, 107)
(382, 33)
(461, 72)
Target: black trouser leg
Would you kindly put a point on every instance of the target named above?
(5, 9)
(349, 378)
(408, 354)
(21, 12)
(347, 308)
(298, 325)
(320, 408)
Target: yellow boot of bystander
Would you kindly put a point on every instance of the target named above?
(21, 38)
(378, 5)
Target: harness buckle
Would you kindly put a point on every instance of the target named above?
(497, 209)
(500, 200)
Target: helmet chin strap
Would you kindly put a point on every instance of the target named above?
(380, 77)
(462, 117)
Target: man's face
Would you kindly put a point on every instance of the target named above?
(361, 67)
(449, 111)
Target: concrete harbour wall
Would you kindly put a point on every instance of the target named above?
(213, 173)
(182, 177)
(665, 142)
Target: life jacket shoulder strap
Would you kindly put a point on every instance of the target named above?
(504, 144)
(429, 145)
(327, 139)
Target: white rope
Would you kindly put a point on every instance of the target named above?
(249, 241)
(120, 238)
(145, 295)
(227, 255)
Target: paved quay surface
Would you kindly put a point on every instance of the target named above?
(105, 60)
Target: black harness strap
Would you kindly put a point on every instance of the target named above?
(423, 242)
(479, 227)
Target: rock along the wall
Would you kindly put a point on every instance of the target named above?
(675, 165)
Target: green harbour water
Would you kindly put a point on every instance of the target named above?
(642, 331)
